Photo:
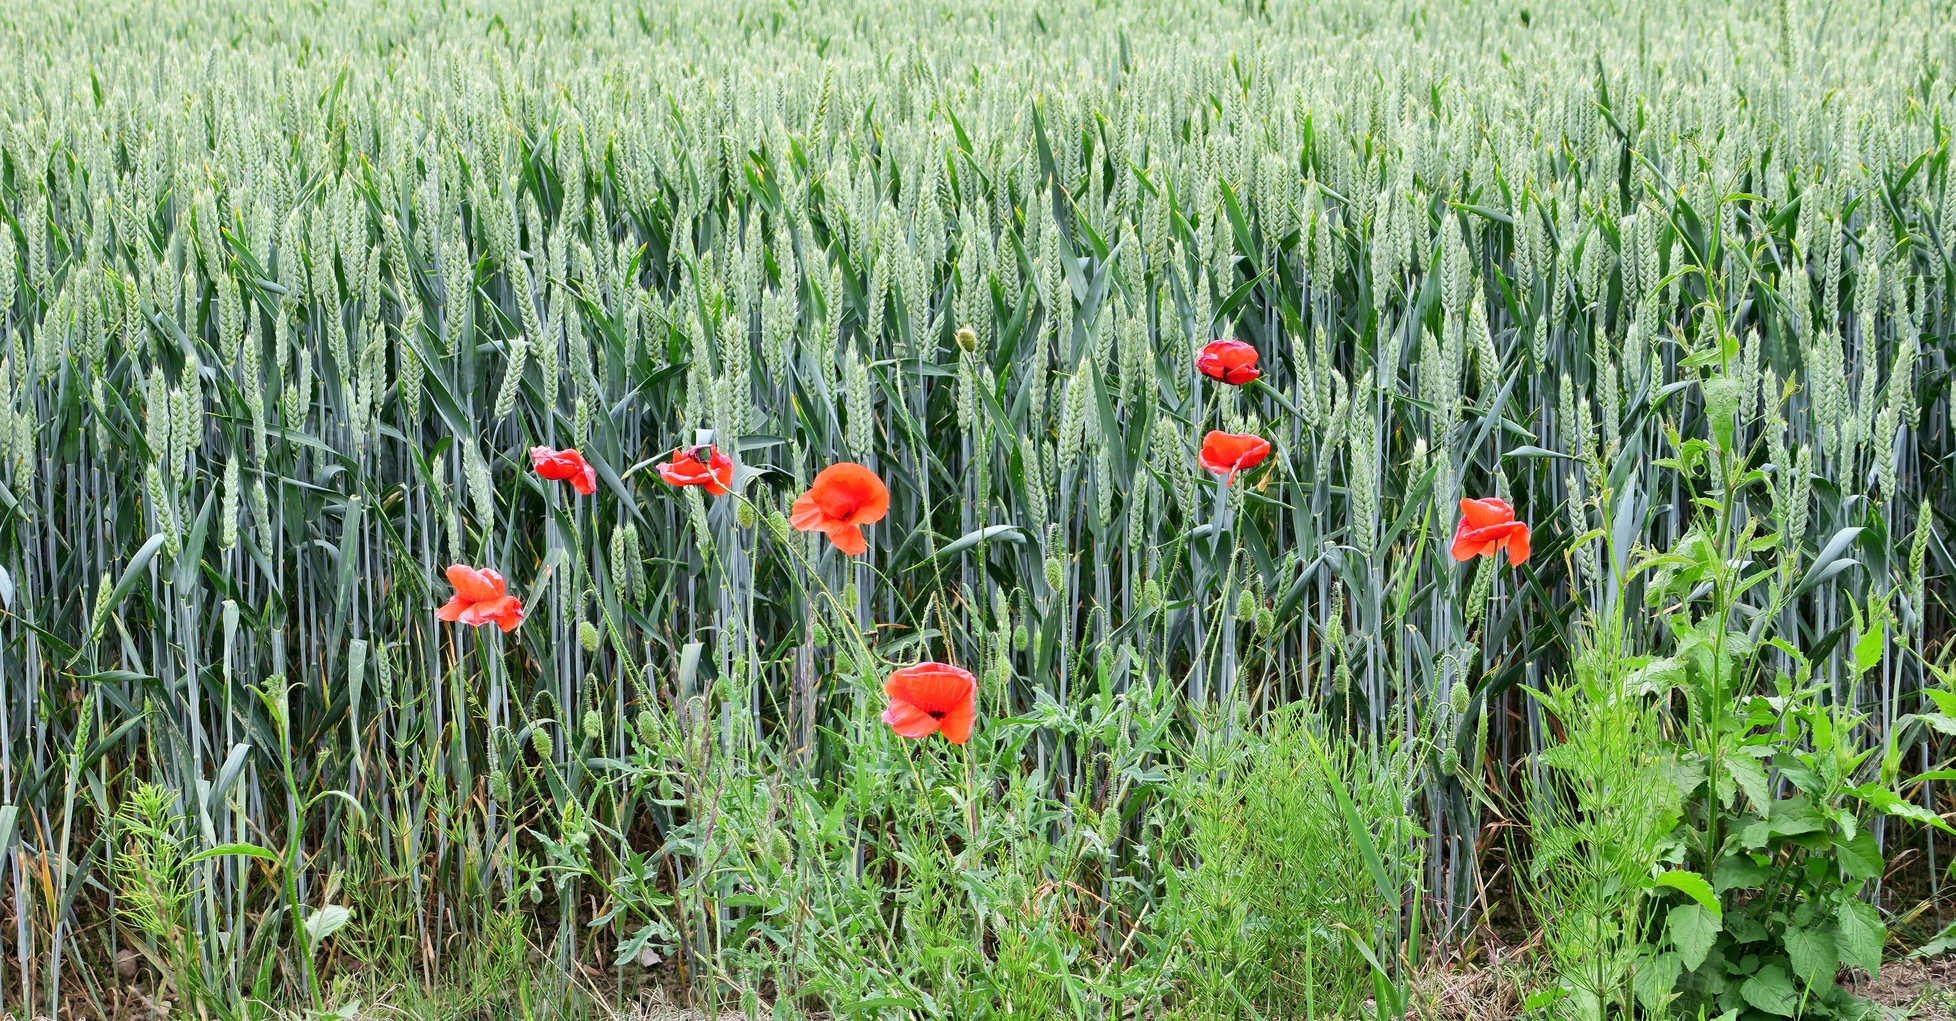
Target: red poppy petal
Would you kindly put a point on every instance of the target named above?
(1467, 546)
(720, 475)
(933, 687)
(1482, 513)
(452, 610)
(908, 720)
(1518, 545)
(849, 539)
(956, 724)
(806, 515)
(473, 585)
(585, 481)
(505, 613)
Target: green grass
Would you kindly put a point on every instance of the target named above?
(288, 290)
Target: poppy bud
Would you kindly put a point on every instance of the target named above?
(744, 515)
(499, 788)
(587, 635)
(820, 633)
(1246, 606)
(778, 523)
(593, 726)
(1266, 623)
(540, 740)
(1001, 609)
(1151, 594)
(1449, 761)
(1055, 573)
(648, 728)
(1459, 696)
(536, 894)
(779, 847)
(844, 662)
(967, 338)
(849, 596)
(1021, 637)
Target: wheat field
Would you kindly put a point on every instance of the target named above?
(289, 292)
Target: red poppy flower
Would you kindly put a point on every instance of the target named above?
(480, 599)
(700, 466)
(1231, 361)
(1228, 453)
(932, 698)
(1486, 526)
(565, 464)
(842, 498)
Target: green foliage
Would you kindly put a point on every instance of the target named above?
(288, 292)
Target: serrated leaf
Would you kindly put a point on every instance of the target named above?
(1859, 858)
(1693, 930)
(1860, 935)
(1814, 955)
(1771, 990)
(1694, 886)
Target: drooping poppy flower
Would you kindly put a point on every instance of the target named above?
(559, 465)
(1228, 453)
(1486, 526)
(931, 698)
(1231, 361)
(842, 498)
(480, 598)
(700, 466)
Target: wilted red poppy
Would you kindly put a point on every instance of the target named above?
(1228, 453)
(565, 464)
(1486, 526)
(842, 498)
(931, 698)
(480, 599)
(700, 466)
(1231, 361)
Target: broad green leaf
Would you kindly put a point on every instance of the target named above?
(1770, 989)
(1694, 886)
(1693, 930)
(1813, 953)
(326, 921)
(1861, 935)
